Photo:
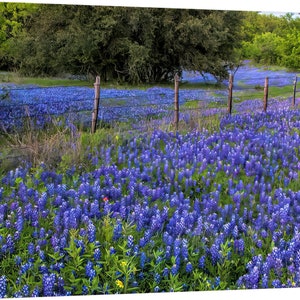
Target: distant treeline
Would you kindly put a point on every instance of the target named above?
(140, 44)
(272, 40)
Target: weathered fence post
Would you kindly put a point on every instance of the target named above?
(295, 90)
(230, 88)
(96, 104)
(176, 100)
(266, 93)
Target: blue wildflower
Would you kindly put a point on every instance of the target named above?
(97, 254)
(253, 278)
(130, 240)
(19, 222)
(239, 246)
(91, 232)
(43, 269)
(80, 244)
(35, 293)
(95, 211)
(159, 259)
(276, 283)
(10, 243)
(3, 286)
(215, 254)
(57, 266)
(89, 270)
(112, 250)
(17, 294)
(184, 249)
(117, 230)
(25, 267)
(174, 269)
(134, 284)
(85, 290)
(25, 290)
(60, 286)
(217, 281)
(165, 272)
(177, 249)
(143, 259)
(265, 281)
(189, 267)
(31, 248)
(18, 260)
(201, 262)
(157, 277)
(42, 255)
(168, 252)
(48, 284)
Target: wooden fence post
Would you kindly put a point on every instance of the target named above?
(176, 100)
(96, 104)
(295, 90)
(266, 93)
(230, 88)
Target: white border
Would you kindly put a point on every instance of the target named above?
(252, 5)
(265, 294)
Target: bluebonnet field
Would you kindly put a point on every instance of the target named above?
(18, 103)
(159, 212)
(76, 104)
(248, 75)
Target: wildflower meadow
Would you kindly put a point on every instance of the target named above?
(160, 211)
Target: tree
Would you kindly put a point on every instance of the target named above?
(127, 44)
(13, 16)
(272, 40)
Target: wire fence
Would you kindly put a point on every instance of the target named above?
(139, 108)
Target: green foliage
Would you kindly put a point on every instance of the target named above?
(13, 16)
(125, 44)
(265, 48)
(272, 40)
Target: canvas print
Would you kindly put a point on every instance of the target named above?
(147, 150)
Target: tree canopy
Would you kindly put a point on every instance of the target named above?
(13, 16)
(141, 44)
(127, 44)
(272, 40)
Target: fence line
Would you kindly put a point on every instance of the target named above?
(135, 106)
(230, 91)
(266, 93)
(176, 100)
(294, 91)
(96, 104)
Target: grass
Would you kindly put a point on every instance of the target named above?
(193, 104)
(258, 93)
(63, 146)
(14, 77)
(203, 85)
(37, 146)
(273, 67)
